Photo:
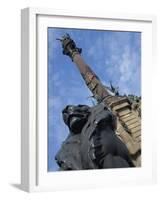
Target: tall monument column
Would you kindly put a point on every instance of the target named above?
(91, 79)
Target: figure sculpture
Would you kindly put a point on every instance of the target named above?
(92, 142)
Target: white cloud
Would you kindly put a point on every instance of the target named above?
(126, 66)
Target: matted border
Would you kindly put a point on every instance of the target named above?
(31, 167)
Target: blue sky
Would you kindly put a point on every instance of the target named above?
(113, 55)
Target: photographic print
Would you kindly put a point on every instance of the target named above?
(86, 108)
(94, 99)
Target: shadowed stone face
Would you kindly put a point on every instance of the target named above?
(75, 117)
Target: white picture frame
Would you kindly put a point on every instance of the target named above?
(34, 176)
